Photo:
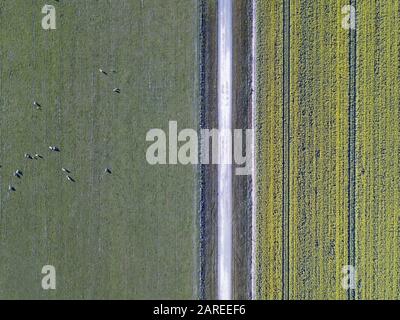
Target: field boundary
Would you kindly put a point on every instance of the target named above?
(352, 147)
(208, 175)
(254, 148)
(286, 148)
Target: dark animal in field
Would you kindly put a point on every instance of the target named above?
(11, 188)
(54, 148)
(18, 174)
(36, 105)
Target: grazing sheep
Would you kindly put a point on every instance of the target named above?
(11, 188)
(103, 72)
(70, 179)
(36, 105)
(38, 156)
(65, 170)
(117, 90)
(18, 174)
(28, 156)
(54, 148)
(107, 170)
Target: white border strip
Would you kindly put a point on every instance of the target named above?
(224, 275)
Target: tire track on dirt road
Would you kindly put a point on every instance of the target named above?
(352, 147)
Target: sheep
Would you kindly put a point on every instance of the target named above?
(18, 174)
(54, 148)
(36, 105)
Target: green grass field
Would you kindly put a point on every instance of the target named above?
(131, 234)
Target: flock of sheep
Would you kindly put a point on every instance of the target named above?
(19, 174)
